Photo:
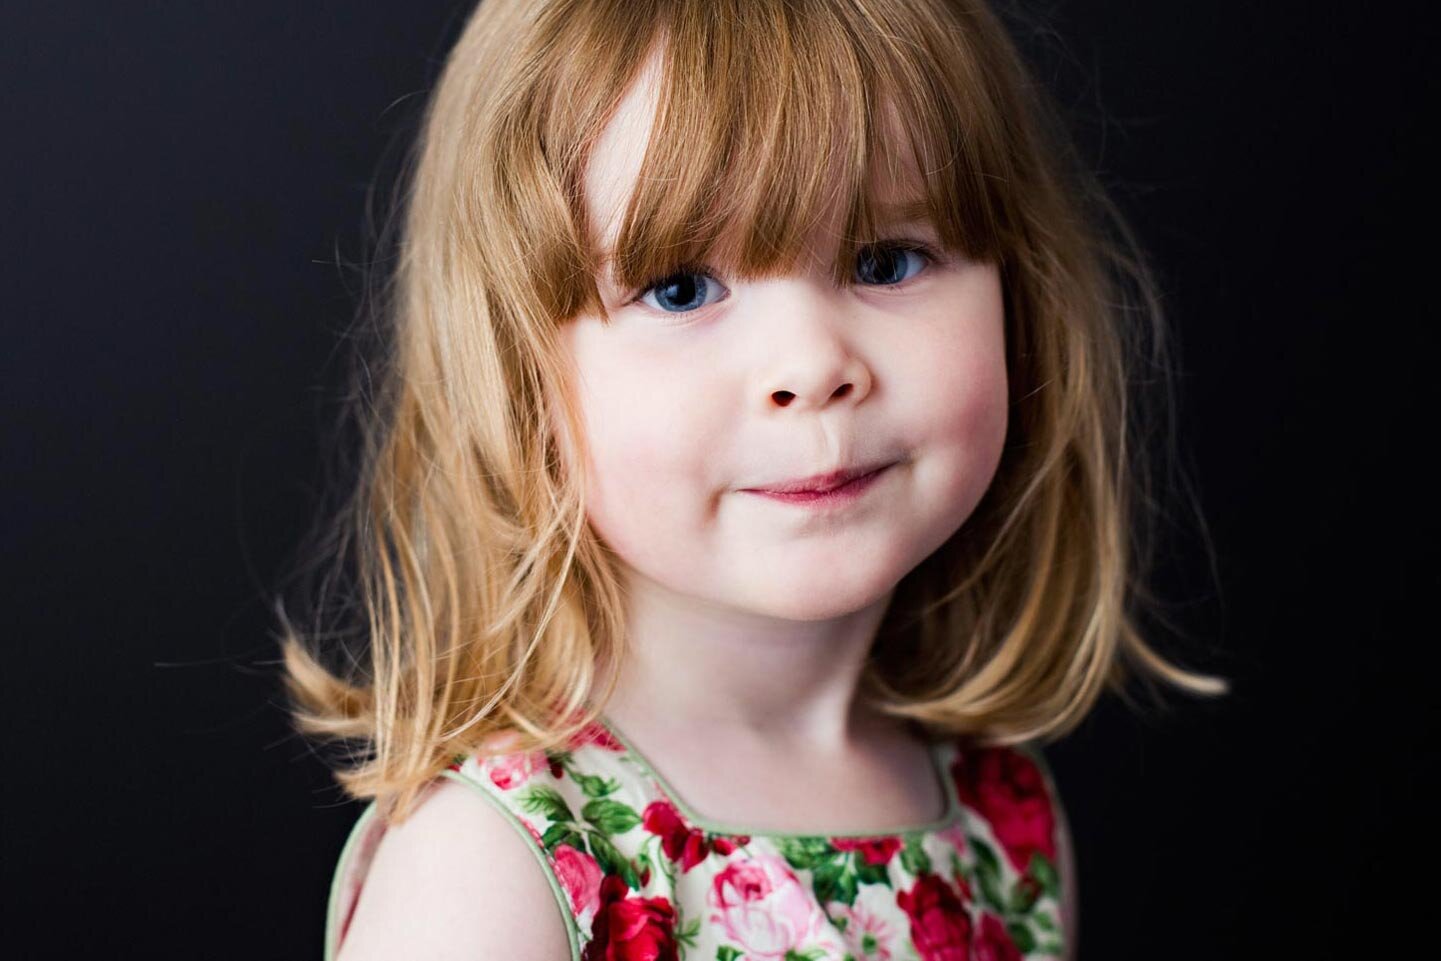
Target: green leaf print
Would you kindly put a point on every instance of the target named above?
(632, 879)
(1051, 947)
(985, 854)
(1043, 921)
(834, 881)
(1044, 871)
(612, 817)
(687, 933)
(1023, 897)
(594, 785)
(870, 873)
(988, 874)
(562, 833)
(545, 801)
(727, 953)
(605, 853)
(914, 857)
(1021, 935)
(806, 852)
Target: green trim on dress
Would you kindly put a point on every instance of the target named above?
(357, 831)
(561, 898)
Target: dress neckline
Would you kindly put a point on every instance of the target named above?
(935, 753)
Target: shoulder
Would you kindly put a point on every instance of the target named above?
(456, 879)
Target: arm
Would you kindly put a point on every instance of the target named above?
(455, 881)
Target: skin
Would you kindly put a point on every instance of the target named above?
(751, 619)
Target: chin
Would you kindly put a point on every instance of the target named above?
(818, 596)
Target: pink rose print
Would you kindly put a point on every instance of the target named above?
(631, 929)
(596, 733)
(993, 942)
(510, 771)
(867, 935)
(955, 835)
(873, 850)
(1007, 788)
(682, 843)
(579, 875)
(530, 826)
(940, 924)
(764, 908)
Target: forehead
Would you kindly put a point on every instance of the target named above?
(614, 164)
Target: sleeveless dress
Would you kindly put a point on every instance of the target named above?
(638, 876)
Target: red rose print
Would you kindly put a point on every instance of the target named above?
(993, 942)
(1008, 790)
(681, 842)
(873, 850)
(725, 845)
(940, 924)
(631, 929)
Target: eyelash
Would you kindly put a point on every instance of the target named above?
(911, 246)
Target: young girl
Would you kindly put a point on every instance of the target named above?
(748, 493)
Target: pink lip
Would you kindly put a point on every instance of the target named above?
(817, 483)
(843, 494)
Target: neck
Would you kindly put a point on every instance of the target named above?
(700, 668)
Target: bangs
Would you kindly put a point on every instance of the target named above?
(773, 116)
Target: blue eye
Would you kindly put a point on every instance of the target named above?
(889, 264)
(682, 292)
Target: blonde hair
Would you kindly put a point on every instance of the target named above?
(470, 596)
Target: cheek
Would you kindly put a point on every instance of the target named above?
(652, 440)
(971, 399)
(960, 406)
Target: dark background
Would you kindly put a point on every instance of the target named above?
(185, 186)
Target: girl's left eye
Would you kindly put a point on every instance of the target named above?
(891, 263)
(682, 292)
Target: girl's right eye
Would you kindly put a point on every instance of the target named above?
(682, 292)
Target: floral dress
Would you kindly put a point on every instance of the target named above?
(638, 876)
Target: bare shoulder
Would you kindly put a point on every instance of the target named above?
(456, 880)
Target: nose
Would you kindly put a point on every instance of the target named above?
(812, 359)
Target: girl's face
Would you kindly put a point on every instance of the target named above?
(704, 388)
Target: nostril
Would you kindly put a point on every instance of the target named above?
(783, 397)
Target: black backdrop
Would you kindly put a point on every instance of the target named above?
(184, 192)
